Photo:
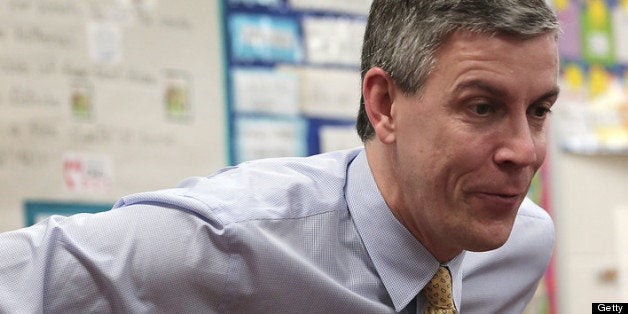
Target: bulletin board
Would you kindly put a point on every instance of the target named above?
(292, 72)
(100, 99)
(593, 112)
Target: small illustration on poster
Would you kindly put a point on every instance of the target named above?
(81, 100)
(177, 95)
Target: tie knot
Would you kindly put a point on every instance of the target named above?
(438, 293)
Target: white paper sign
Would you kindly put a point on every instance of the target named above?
(330, 93)
(620, 24)
(338, 137)
(348, 6)
(266, 91)
(87, 173)
(263, 138)
(334, 40)
(104, 42)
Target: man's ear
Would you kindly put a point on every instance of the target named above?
(378, 90)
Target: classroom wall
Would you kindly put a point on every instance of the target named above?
(104, 98)
(590, 197)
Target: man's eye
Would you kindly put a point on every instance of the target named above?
(482, 109)
(540, 111)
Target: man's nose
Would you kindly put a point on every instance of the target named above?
(518, 146)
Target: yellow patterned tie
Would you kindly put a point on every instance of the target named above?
(438, 293)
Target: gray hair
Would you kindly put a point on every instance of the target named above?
(403, 36)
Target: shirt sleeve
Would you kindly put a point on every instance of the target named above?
(136, 258)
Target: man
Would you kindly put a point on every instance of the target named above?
(456, 96)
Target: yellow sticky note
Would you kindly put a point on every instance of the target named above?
(598, 12)
(599, 80)
(562, 4)
(574, 76)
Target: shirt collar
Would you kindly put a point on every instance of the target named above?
(403, 264)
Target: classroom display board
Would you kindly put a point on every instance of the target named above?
(593, 109)
(293, 82)
(100, 99)
(545, 300)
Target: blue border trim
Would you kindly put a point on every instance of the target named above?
(35, 208)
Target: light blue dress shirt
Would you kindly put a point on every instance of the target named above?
(288, 235)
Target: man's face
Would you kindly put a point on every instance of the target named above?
(466, 148)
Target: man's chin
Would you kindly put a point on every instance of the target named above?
(486, 247)
(489, 242)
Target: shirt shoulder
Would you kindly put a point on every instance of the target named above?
(503, 280)
(531, 210)
(273, 188)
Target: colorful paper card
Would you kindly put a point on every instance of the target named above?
(569, 40)
(87, 173)
(597, 33)
(267, 38)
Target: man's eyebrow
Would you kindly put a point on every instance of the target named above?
(491, 89)
(479, 84)
(552, 93)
